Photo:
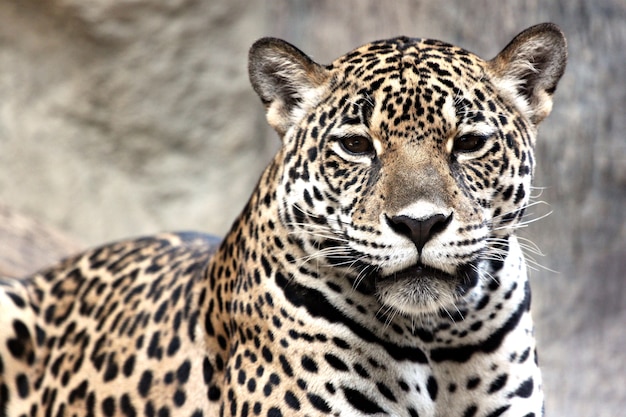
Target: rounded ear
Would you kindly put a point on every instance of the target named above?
(285, 79)
(530, 67)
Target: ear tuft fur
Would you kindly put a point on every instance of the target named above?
(284, 78)
(530, 67)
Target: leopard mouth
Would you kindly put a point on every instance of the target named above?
(418, 271)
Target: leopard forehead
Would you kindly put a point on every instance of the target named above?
(425, 57)
(412, 88)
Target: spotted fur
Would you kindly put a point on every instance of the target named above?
(374, 270)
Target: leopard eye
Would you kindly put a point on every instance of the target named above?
(469, 143)
(357, 145)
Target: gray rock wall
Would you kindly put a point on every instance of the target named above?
(127, 117)
(27, 245)
(120, 118)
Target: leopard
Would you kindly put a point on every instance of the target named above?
(375, 270)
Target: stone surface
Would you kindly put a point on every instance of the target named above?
(127, 117)
(121, 118)
(27, 245)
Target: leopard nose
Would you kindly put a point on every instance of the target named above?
(419, 231)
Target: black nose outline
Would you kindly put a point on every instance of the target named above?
(420, 231)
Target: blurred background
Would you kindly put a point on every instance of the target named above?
(127, 117)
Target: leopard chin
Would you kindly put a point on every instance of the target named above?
(422, 290)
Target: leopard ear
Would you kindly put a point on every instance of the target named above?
(530, 67)
(285, 79)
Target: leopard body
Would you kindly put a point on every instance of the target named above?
(374, 271)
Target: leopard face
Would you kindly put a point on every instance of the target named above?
(406, 163)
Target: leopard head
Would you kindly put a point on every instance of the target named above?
(406, 164)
